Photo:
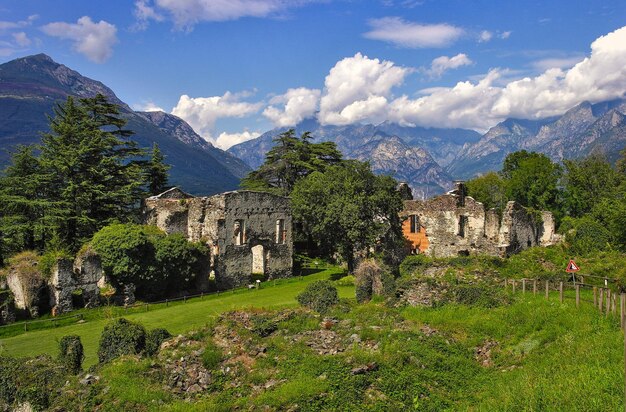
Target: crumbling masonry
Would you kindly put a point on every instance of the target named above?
(455, 224)
(247, 232)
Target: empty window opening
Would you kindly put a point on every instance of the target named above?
(239, 232)
(415, 223)
(462, 225)
(281, 233)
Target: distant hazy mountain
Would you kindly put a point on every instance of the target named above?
(404, 152)
(30, 87)
(582, 130)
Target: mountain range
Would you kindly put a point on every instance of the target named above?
(32, 86)
(426, 158)
(430, 158)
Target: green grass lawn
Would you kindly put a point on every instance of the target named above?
(177, 318)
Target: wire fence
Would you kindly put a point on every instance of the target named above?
(15, 328)
(604, 298)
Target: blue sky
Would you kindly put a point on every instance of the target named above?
(236, 68)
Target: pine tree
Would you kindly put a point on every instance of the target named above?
(290, 160)
(156, 172)
(88, 175)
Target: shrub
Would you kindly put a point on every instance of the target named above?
(127, 254)
(178, 260)
(263, 325)
(319, 296)
(212, 356)
(414, 262)
(71, 353)
(154, 339)
(121, 337)
(586, 235)
(34, 380)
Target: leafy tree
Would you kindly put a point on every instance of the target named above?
(490, 189)
(290, 160)
(586, 182)
(88, 174)
(157, 172)
(91, 167)
(348, 209)
(533, 180)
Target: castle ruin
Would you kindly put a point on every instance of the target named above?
(455, 224)
(248, 233)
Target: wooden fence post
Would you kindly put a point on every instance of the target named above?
(524, 286)
(534, 286)
(601, 298)
(514, 285)
(547, 289)
(595, 296)
(608, 302)
(561, 291)
(613, 305)
(577, 295)
(582, 279)
(622, 313)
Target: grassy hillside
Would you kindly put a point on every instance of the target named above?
(177, 319)
(472, 346)
(531, 355)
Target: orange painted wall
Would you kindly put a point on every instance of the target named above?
(418, 240)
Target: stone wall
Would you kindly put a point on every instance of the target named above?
(454, 224)
(232, 224)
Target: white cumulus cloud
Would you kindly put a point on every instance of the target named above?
(442, 64)
(202, 112)
(358, 88)
(293, 106)
(599, 77)
(148, 106)
(403, 33)
(226, 140)
(94, 40)
(186, 13)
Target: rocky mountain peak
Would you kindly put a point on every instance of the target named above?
(177, 126)
(40, 74)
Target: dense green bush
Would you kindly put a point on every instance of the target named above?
(34, 380)
(586, 235)
(319, 296)
(145, 256)
(212, 356)
(127, 254)
(177, 260)
(154, 339)
(71, 353)
(121, 337)
(412, 263)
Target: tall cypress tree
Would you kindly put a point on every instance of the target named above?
(156, 171)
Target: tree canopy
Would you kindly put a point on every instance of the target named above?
(85, 174)
(291, 159)
(347, 209)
